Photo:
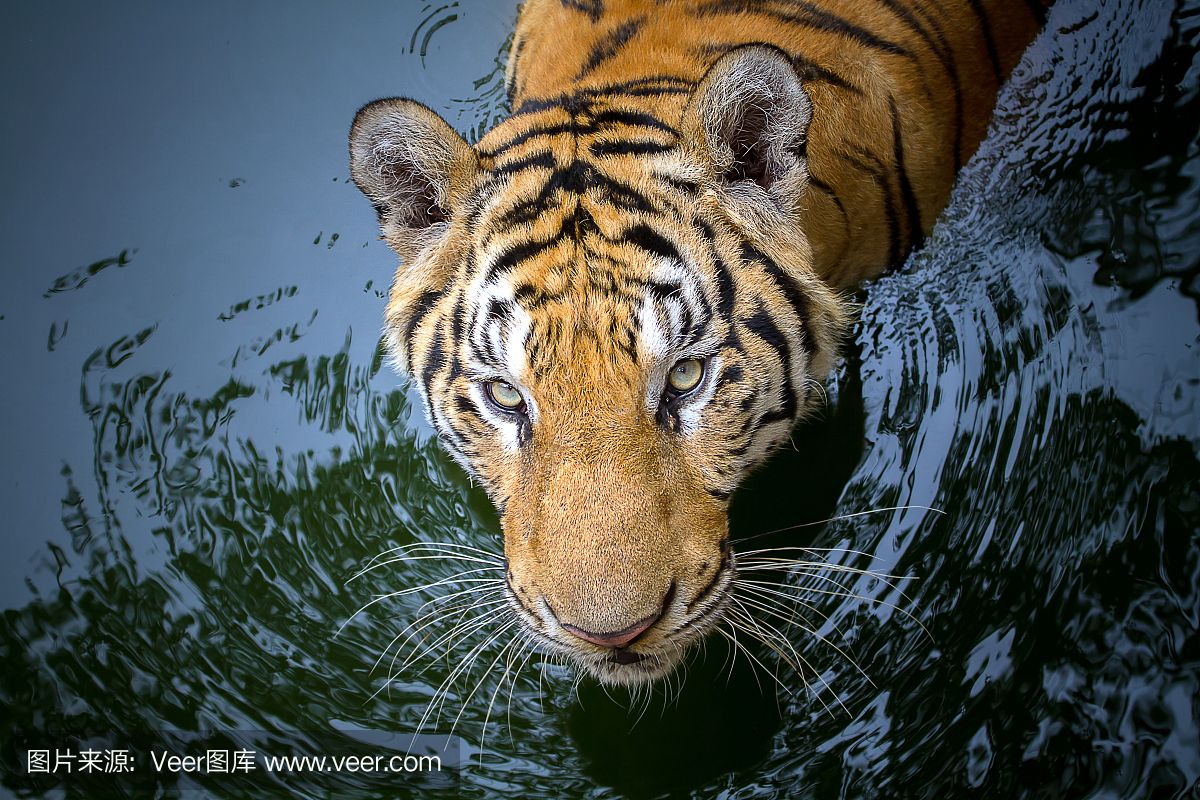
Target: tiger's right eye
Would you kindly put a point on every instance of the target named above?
(505, 396)
(685, 375)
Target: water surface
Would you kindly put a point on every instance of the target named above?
(202, 445)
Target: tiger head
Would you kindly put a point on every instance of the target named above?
(612, 316)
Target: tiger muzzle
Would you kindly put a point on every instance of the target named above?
(599, 550)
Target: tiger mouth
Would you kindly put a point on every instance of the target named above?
(625, 657)
(638, 663)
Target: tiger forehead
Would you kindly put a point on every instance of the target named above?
(620, 158)
(585, 123)
(585, 300)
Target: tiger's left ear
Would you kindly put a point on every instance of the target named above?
(749, 119)
(414, 168)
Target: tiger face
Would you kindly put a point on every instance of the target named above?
(611, 315)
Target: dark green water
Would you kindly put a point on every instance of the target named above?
(201, 446)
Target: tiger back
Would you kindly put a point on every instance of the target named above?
(622, 299)
(903, 92)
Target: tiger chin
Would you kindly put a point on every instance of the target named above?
(624, 297)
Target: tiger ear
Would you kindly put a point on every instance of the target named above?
(749, 119)
(412, 166)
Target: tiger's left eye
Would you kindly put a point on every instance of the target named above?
(685, 375)
(505, 395)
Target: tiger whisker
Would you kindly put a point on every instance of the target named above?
(489, 607)
(448, 547)
(822, 573)
(776, 612)
(522, 639)
(848, 594)
(393, 672)
(825, 566)
(766, 594)
(530, 649)
(417, 625)
(449, 639)
(819, 387)
(414, 589)
(408, 559)
(440, 696)
(840, 518)
(770, 636)
(467, 701)
(436, 613)
(754, 660)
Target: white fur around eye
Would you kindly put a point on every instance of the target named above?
(507, 425)
(691, 411)
(685, 375)
(504, 394)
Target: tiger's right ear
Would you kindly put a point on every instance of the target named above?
(412, 166)
(748, 119)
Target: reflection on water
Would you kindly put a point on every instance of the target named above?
(205, 445)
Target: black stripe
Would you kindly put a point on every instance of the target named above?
(616, 116)
(513, 256)
(623, 147)
(665, 290)
(458, 320)
(941, 49)
(466, 406)
(521, 138)
(543, 159)
(576, 178)
(720, 571)
(529, 209)
(652, 242)
(808, 71)
(678, 184)
(821, 186)
(425, 303)
(725, 287)
(606, 117)
(811, 71)
(630, 89)
(570, 103)
(623, 195)
(593, 8)
(610, 44)
(889, 207)
(435, 360)
(795, 298)
(989, 40)
(916, 230)
(665, 83)
(731, 374)
(499, 309)
(764, 327)
(806, 15)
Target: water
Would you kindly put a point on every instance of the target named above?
(201, 445)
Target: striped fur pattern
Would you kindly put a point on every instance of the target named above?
(680, 181)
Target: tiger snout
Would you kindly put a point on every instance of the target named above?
(613, 570)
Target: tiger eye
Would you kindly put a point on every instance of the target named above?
(686, 375)
(505, 395)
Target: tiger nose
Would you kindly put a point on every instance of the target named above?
(614, 638)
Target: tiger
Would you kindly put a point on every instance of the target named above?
(622, 298)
